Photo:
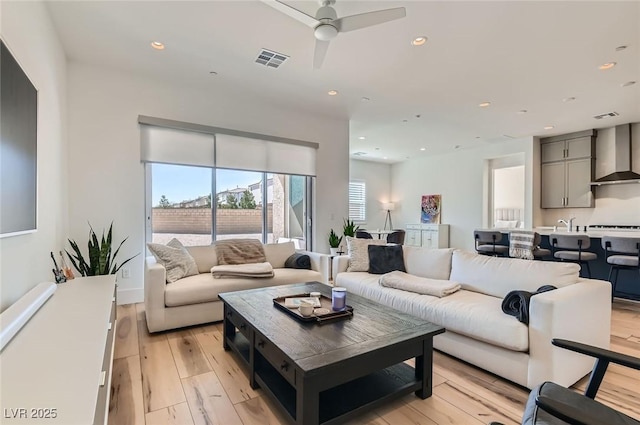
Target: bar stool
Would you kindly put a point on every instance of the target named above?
(539, 253)
(572, 248)
(487, 243)
(618, 244)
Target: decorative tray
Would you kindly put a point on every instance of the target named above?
(324, 313)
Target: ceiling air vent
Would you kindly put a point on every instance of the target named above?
(271, 59)
(607, 115)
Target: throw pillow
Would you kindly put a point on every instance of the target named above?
(175, 258)
(385, 259)
(298, 261)
(358, 252)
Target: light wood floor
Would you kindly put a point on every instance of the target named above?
(185, 377)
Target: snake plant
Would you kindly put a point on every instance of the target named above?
(334, 240)
(349, 228)
(101, 261)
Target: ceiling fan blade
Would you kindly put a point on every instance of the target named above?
(363, 20)
(308, 20)
(319, 53)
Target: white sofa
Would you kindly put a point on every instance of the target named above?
(194, 300)
(479, 332)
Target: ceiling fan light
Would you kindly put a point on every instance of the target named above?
(325, 32)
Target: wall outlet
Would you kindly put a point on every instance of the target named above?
(126, 273)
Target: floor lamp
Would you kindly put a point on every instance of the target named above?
(389, 206)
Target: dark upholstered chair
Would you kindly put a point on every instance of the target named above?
(396, 237)
(363, 234)
(613, 247)
(488, 243)
(572, 248)
(551, 404)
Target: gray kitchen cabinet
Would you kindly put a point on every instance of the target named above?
(567, 169)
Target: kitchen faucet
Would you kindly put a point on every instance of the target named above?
(568, 223)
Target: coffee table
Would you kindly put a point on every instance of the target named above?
(329, 373)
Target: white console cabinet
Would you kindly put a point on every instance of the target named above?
(427, 235)
(57, 369)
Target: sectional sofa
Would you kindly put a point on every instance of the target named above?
(477, 329)
(194, 300)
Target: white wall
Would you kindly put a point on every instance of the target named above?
(461, 177)
(106, 180)
(28, 32)
(614, 204)
(378, 185)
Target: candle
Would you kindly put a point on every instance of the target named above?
(338, 298)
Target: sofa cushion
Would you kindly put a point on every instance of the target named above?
(175, 258)
(430, 263)
(498, 276)
(468, 313)
(385, 259)
(358, 251)
(205, 256)
(204, 288)
(277, 253)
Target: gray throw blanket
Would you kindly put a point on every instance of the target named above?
(240, 251)
(419, 285)
(516, 303)
(521, 244)
(262, 270)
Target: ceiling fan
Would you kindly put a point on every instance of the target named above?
(326, 24)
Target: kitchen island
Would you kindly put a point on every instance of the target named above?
(628, 285)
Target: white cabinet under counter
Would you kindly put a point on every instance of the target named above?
(427, 235)
(57, 368)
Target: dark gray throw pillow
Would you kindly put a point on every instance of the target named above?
(298, 261)
(386, 258)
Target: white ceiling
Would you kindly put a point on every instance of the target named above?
(516, 55)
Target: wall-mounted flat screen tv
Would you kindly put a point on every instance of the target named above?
(18, 148)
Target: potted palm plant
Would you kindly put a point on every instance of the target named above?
(349, 228)
(101, 258)
(334, 242)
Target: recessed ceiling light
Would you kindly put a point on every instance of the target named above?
(157, 45)
(522, 111)
(332, 92)
(365, 99)
(419, 41)
(628, 83)
(405, 120)
(213, 73)
(484, 104)
(362, 138)
(456, 147)
(620, 48)
(549, 127)
(384, 157)
(607, 65)
(377, 149)
(423, 149)
(569, 99)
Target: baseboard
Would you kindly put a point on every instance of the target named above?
(130, 296)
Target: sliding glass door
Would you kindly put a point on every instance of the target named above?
(268, 207)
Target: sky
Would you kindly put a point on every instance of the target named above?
(181, 183)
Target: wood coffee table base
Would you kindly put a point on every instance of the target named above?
(334, 385)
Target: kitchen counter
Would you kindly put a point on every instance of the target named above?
(628, 285)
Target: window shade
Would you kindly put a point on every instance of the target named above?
(171, 146)
(357, 201)
(243, 153)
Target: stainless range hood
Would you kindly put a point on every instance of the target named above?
(622, 156)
